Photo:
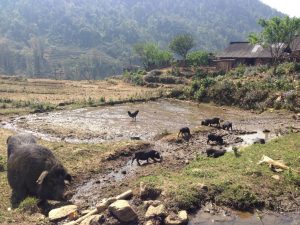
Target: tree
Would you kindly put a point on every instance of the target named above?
(152, 56)
(198, 58)
(277, 35)
(181, 44)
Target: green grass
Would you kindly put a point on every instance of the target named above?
(237, 182)
(29, 204)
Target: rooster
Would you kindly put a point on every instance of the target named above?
(133, 115)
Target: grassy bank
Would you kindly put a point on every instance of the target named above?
(255, 87)
(236, 181)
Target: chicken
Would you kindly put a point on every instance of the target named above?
(133, 115)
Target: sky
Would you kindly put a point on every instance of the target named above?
(289, 7)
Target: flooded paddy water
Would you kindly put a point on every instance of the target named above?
(112, 123)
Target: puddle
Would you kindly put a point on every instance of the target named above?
(249, 139)
(95, 185)
(242, 218)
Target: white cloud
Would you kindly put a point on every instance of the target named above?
(290, 7)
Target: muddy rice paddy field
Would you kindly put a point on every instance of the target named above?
(156, 128)
(96, 145)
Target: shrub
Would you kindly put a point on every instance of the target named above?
(198, 58)
(134, 78)
(238, 197)
(238, 71)
(286, 68)
(223, 92)
(252, 98)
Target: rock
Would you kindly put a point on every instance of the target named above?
(84, 212)
(179, 219)
(62, 212)
(183, 216)
(155, 211)
(39, 216)
(276, 177)
(187, 161)
(278, 99)
(92, 220)
(105, 203)
(122, 211)
(152, 202)
(149, 223)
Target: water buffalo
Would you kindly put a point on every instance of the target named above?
(185, 131)
(215, 153)
(209, 122)
(33, 170)
(227, 125)
(145, 155)
(17, 140)
(216, 138)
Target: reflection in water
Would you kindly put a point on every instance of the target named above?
(242, 218)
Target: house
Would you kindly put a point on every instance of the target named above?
(249, 54)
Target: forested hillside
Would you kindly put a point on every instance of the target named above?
(87, 39)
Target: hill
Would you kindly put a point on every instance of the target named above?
(87, 39)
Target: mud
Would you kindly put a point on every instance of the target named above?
(245, 218)
(112, 123)
(98, 125)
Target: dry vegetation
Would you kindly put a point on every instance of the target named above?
(20, 95)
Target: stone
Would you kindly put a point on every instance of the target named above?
(183, 216)
(62, 212)
(276, 177)
(122, 211)
(93, 219)
(149, 223)
(179, 219)
(153, 211)
(152, 202)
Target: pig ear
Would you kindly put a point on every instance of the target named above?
(8, 139)
(42, 177)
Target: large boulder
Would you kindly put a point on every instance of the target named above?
(62, 212)
(158, 211)
(122, 211)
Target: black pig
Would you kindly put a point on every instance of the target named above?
(184, 132)
(33, 170)
(215, 153)
(227, 125)
(216, 138)
(209, 122)
(145, 155)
